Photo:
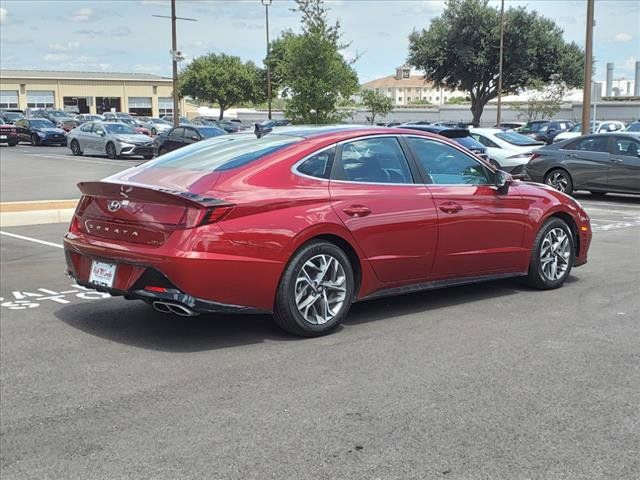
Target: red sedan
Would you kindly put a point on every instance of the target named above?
(304, 222)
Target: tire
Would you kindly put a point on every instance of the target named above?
(559, 179)
(111, 151)
(35, 140)
(543, 275)
(314, 320)
(13, 144)
(494, 163)
(75, 148)
(147, 157)
(162, 151)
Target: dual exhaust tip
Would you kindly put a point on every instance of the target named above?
(176, 308)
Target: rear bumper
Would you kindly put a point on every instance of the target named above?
(235, 278)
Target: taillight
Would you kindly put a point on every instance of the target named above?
(216, 214)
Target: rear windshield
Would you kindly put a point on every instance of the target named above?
(515, 138)
(222, 153)
(534, 126)
(208, 132)
(469, 143)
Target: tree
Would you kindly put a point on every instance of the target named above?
(543, 101)
(309, 68)
(459, 51)
(222, 79)
(377, 104)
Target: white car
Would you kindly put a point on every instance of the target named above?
(596, 127)
(506, 149)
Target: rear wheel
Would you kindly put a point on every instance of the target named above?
(494, 163)
(111, 151)
(75, 148)
(35, 139)
(316, 290)
(560, 180)
(162, 151)
(13, 144)
(552, 255)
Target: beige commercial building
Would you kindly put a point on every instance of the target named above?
(405, 89)
(88, 92)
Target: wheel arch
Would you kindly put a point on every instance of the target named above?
(569, 220)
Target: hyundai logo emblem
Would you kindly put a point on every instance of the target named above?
(114, 206)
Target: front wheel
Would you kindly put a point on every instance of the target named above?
(111, 151)
(35, 140)
(552, 255)
(75, 148)
(147, 157)
(560, 180)
(316, 290)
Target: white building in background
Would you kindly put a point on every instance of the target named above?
(405, 89)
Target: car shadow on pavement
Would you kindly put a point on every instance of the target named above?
(136, 324)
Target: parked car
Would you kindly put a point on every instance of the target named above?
(247, 225)
(8, 134)
(114, 116)
(11, 116)
(458, 135)
(40, 131)
(599, 163)
(135, 124)
(88, 117)
(510, 125)
(115, 139)
(59, 118)
(156, 125)
(226, 125)
(507, 150)
(594, 127)
(633, 127)
(182, 120)
(545, 130)
(184, 135)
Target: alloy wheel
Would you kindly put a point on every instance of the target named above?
(320, 289)
(555, 254)
(559, 181)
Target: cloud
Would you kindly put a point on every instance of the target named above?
(56, 57)
(3, 16)
(630, 62)
(64, 47)
(120, 31)
(622, 38)
(82, 15)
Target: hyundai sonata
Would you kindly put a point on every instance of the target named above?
(304, 222)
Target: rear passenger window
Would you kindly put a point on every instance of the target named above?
(375, 160)
(593, 144)
(87, 127)
(318, 165)
(446, 165)
(177, 132)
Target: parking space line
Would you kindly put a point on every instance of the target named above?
(29, 239)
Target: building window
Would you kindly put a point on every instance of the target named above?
(40, 99)
(165, 106)
(445, 99)
(399, 99)
(140, 106)
(76, 104)
(8, 99)
(408, 99)
(389, 91)
(437, 98)
(406, 73)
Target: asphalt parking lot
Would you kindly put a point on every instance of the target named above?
(478, 382)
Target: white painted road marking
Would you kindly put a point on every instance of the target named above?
(27, 300)
(29, 239)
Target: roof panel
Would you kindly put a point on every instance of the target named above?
(74, 75)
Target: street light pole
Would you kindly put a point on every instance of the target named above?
(266, 4)
(588, 57)
(175, 58)
(499, 110)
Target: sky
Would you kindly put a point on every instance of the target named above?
(123, 36)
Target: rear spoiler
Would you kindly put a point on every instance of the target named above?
(146, 193)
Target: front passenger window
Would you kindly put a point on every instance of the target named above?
(447, 165)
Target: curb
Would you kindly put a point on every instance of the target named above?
(39, 212)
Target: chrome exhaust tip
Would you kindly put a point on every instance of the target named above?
(175, 308)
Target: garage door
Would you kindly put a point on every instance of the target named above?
(40, 99)
(165, 105)
(140, 106)
(8, 99)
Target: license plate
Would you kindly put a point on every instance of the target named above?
(3, 137)
(102, 273)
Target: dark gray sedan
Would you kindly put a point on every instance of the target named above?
(600, 163)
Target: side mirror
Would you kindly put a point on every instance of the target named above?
(502, 180)
(195, 137)
(100, 132)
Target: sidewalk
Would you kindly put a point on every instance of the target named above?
(38, 212)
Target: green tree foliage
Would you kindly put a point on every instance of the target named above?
(376, 104)
(309, 68)
(545, 100)
(223, 80)
(460, 50)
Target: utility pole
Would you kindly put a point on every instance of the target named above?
(266, 4)
(588, 57)
(176, 56)
(499, 110)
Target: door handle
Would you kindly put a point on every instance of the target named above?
(357, 211)
(617, 160)
(572, 155)
(450, 207)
